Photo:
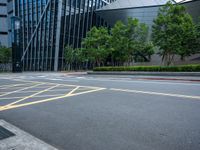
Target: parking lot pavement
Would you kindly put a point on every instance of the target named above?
(81, 112)
(29, 93)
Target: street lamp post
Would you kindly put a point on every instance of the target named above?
(16, 42)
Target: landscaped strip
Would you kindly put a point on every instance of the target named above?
(180, 68)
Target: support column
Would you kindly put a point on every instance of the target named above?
(57, 44)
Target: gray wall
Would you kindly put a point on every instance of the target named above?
(145, 14)
(193, 8)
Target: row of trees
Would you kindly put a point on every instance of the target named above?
(173, 33)
(122, 44)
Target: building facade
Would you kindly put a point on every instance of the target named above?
(3, 23)
(146, 11)
(47, 26)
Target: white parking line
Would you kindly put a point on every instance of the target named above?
(156, 93)
(140, 81)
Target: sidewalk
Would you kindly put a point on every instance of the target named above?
(13, 138)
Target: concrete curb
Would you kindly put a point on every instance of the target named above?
(22, 140)
(195, 74)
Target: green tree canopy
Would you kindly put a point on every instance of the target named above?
(123, 44)
(73, 57)
(130, 41)
(174, 32)
(96, 45)
(5, 54)
(197, 31)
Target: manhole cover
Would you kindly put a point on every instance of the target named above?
(4, 133)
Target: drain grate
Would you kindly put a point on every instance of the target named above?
(4, 133)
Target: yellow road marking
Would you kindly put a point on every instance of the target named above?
(157, 93)
(69, 85)
(80, 93)
(51, 99)
(20, 90)
(30, 96)
(69, 94)
(72, 91)
(37, 96)
(11, 85)
(55, 90)
(16, 87)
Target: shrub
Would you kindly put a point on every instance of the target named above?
(181, 68)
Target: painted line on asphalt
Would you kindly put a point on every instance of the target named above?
(80, 93)
(141, 81)
(27, 81)
(37, 96)
(10, 85)
(33, 91)
(30, 96)
(61, 84)
(29, 87)
(14, 88)
(70, 94)
(156, 93)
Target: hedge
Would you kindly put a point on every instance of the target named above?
(181, 68)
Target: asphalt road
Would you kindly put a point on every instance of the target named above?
(81, 112)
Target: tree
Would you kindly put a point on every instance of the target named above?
(74, 57)
(119, 43)
(96, 45)
(130, 41)
(141, 47)
(197, 31)
(5, 54)
(143, 51)
(69, 54)
(173, 32)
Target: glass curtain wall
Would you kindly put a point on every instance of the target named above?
(49, 25)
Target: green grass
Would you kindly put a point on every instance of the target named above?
(181, 68)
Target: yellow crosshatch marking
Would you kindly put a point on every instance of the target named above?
(39, 92)
(20, 90)
(10, 85)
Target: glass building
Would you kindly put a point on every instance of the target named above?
(47, 26)
(3, 23)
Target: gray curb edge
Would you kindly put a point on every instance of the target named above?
(196, 74)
